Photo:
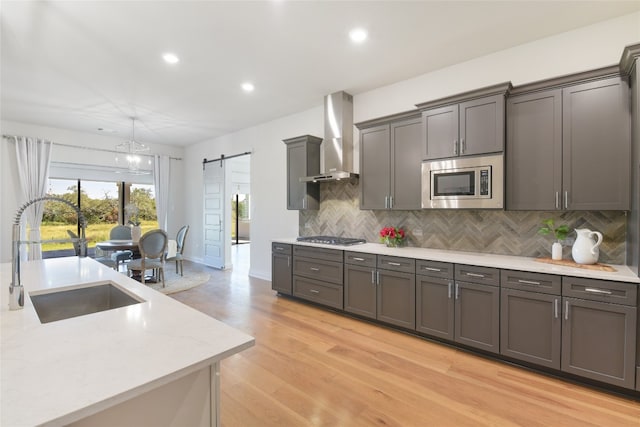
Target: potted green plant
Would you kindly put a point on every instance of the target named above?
(560, 233)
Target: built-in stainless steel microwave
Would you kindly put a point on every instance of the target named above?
(463, 183)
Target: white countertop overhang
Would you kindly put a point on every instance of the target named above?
(63, 371)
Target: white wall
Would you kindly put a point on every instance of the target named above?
(11, 194)
(587, 48)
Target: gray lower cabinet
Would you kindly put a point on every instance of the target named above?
(281, 279)
(303, 159)
(477, 307)
(599, 330)
(318, 275)
(530, 317)
(434, 299)
(382, 288)
(390, 164)
(556, 157)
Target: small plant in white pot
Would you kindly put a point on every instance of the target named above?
(560, 233)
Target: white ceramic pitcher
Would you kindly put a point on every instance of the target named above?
(585, 249)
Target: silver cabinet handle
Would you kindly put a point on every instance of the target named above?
(457, 291)
(288, 261)
(463, 146)
(386, 202)
(566, 200)
(449, 290)
(314, 269)
(357, 259)
(566, 310)
(313, 291)
(455, 147)
(278, 248)
(529, 282)
(475, 275)
(557, 200)
(397, 264)
(304, 203)
(377, 277)
(555, 307)
(597, 291)
(431, 269)
(373, 279)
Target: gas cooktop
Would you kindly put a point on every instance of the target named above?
(332, 240)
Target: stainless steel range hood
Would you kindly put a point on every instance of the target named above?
(338, 139)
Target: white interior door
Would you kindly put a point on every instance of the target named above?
(215, 246)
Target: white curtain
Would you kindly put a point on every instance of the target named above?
(33, 157)
(161, 180)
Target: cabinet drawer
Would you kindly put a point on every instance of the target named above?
(357, 258)
(406, 265)
(317, 291)
(443, 270)
(600, 290)
(535, 282)
(327, 271)
(281, 248)
(471, 273)
(319, 253)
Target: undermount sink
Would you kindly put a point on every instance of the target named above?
(60, 305)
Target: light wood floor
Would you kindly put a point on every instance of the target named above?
(311, 367)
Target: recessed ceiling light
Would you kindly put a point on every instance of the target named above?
(248, 87)
(358, 35)
(170, 58)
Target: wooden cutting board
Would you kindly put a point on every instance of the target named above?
(569, 263)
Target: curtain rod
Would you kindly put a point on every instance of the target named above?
(106, 150)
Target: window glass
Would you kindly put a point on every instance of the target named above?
(144, 198)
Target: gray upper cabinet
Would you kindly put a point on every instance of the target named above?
(457, 126)
(569, 148)
(390, 165)
(303, 159)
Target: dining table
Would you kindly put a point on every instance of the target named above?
(119, 245)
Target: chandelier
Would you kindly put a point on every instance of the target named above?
(129, 152)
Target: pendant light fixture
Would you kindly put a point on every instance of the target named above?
(131, 153)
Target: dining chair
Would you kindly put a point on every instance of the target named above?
(153, 246)
(120, 232)
(180, 238)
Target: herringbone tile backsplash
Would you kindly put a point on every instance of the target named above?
(497, 232)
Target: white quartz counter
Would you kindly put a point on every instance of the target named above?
(59, 372)
(622, 273)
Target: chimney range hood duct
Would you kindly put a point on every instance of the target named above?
(338, 139)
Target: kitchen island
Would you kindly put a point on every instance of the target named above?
(155, 362)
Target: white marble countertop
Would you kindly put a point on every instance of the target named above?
(62, 371)
(622, 274)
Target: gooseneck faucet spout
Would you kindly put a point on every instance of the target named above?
(16, 290)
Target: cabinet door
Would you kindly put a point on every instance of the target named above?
(477, 314)
(397, 298)
(303, 159)
(406, 165)
(374, 167)
(281, 273)
(434, 306)
(599, 341)
(482, 126)
(440, 132)
(360, 290)
(530, 327)
(597, 145)
(534, 151)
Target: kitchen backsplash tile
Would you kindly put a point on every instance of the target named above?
(497, 232)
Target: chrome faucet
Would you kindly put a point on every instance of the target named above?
(16, 290)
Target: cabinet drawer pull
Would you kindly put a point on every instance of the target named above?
(397, 264)
(288, 261)
(463, 146)
(566, 310)
(457, 291)
(358, 259)
(475, 275)
(566, 200)
(529, 282)
(597, 291)
(313, 291)
(557, 200)
(455, 147)
(431, 269)
(377, 277)
(278, 248)
(390, 202)
(449, 290)
(555, 307)
(373, 279)
(314, 269)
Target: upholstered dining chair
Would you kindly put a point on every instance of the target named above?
(120, 232)
(180, 238)
(153, 246)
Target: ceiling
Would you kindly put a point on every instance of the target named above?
(95, 64)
